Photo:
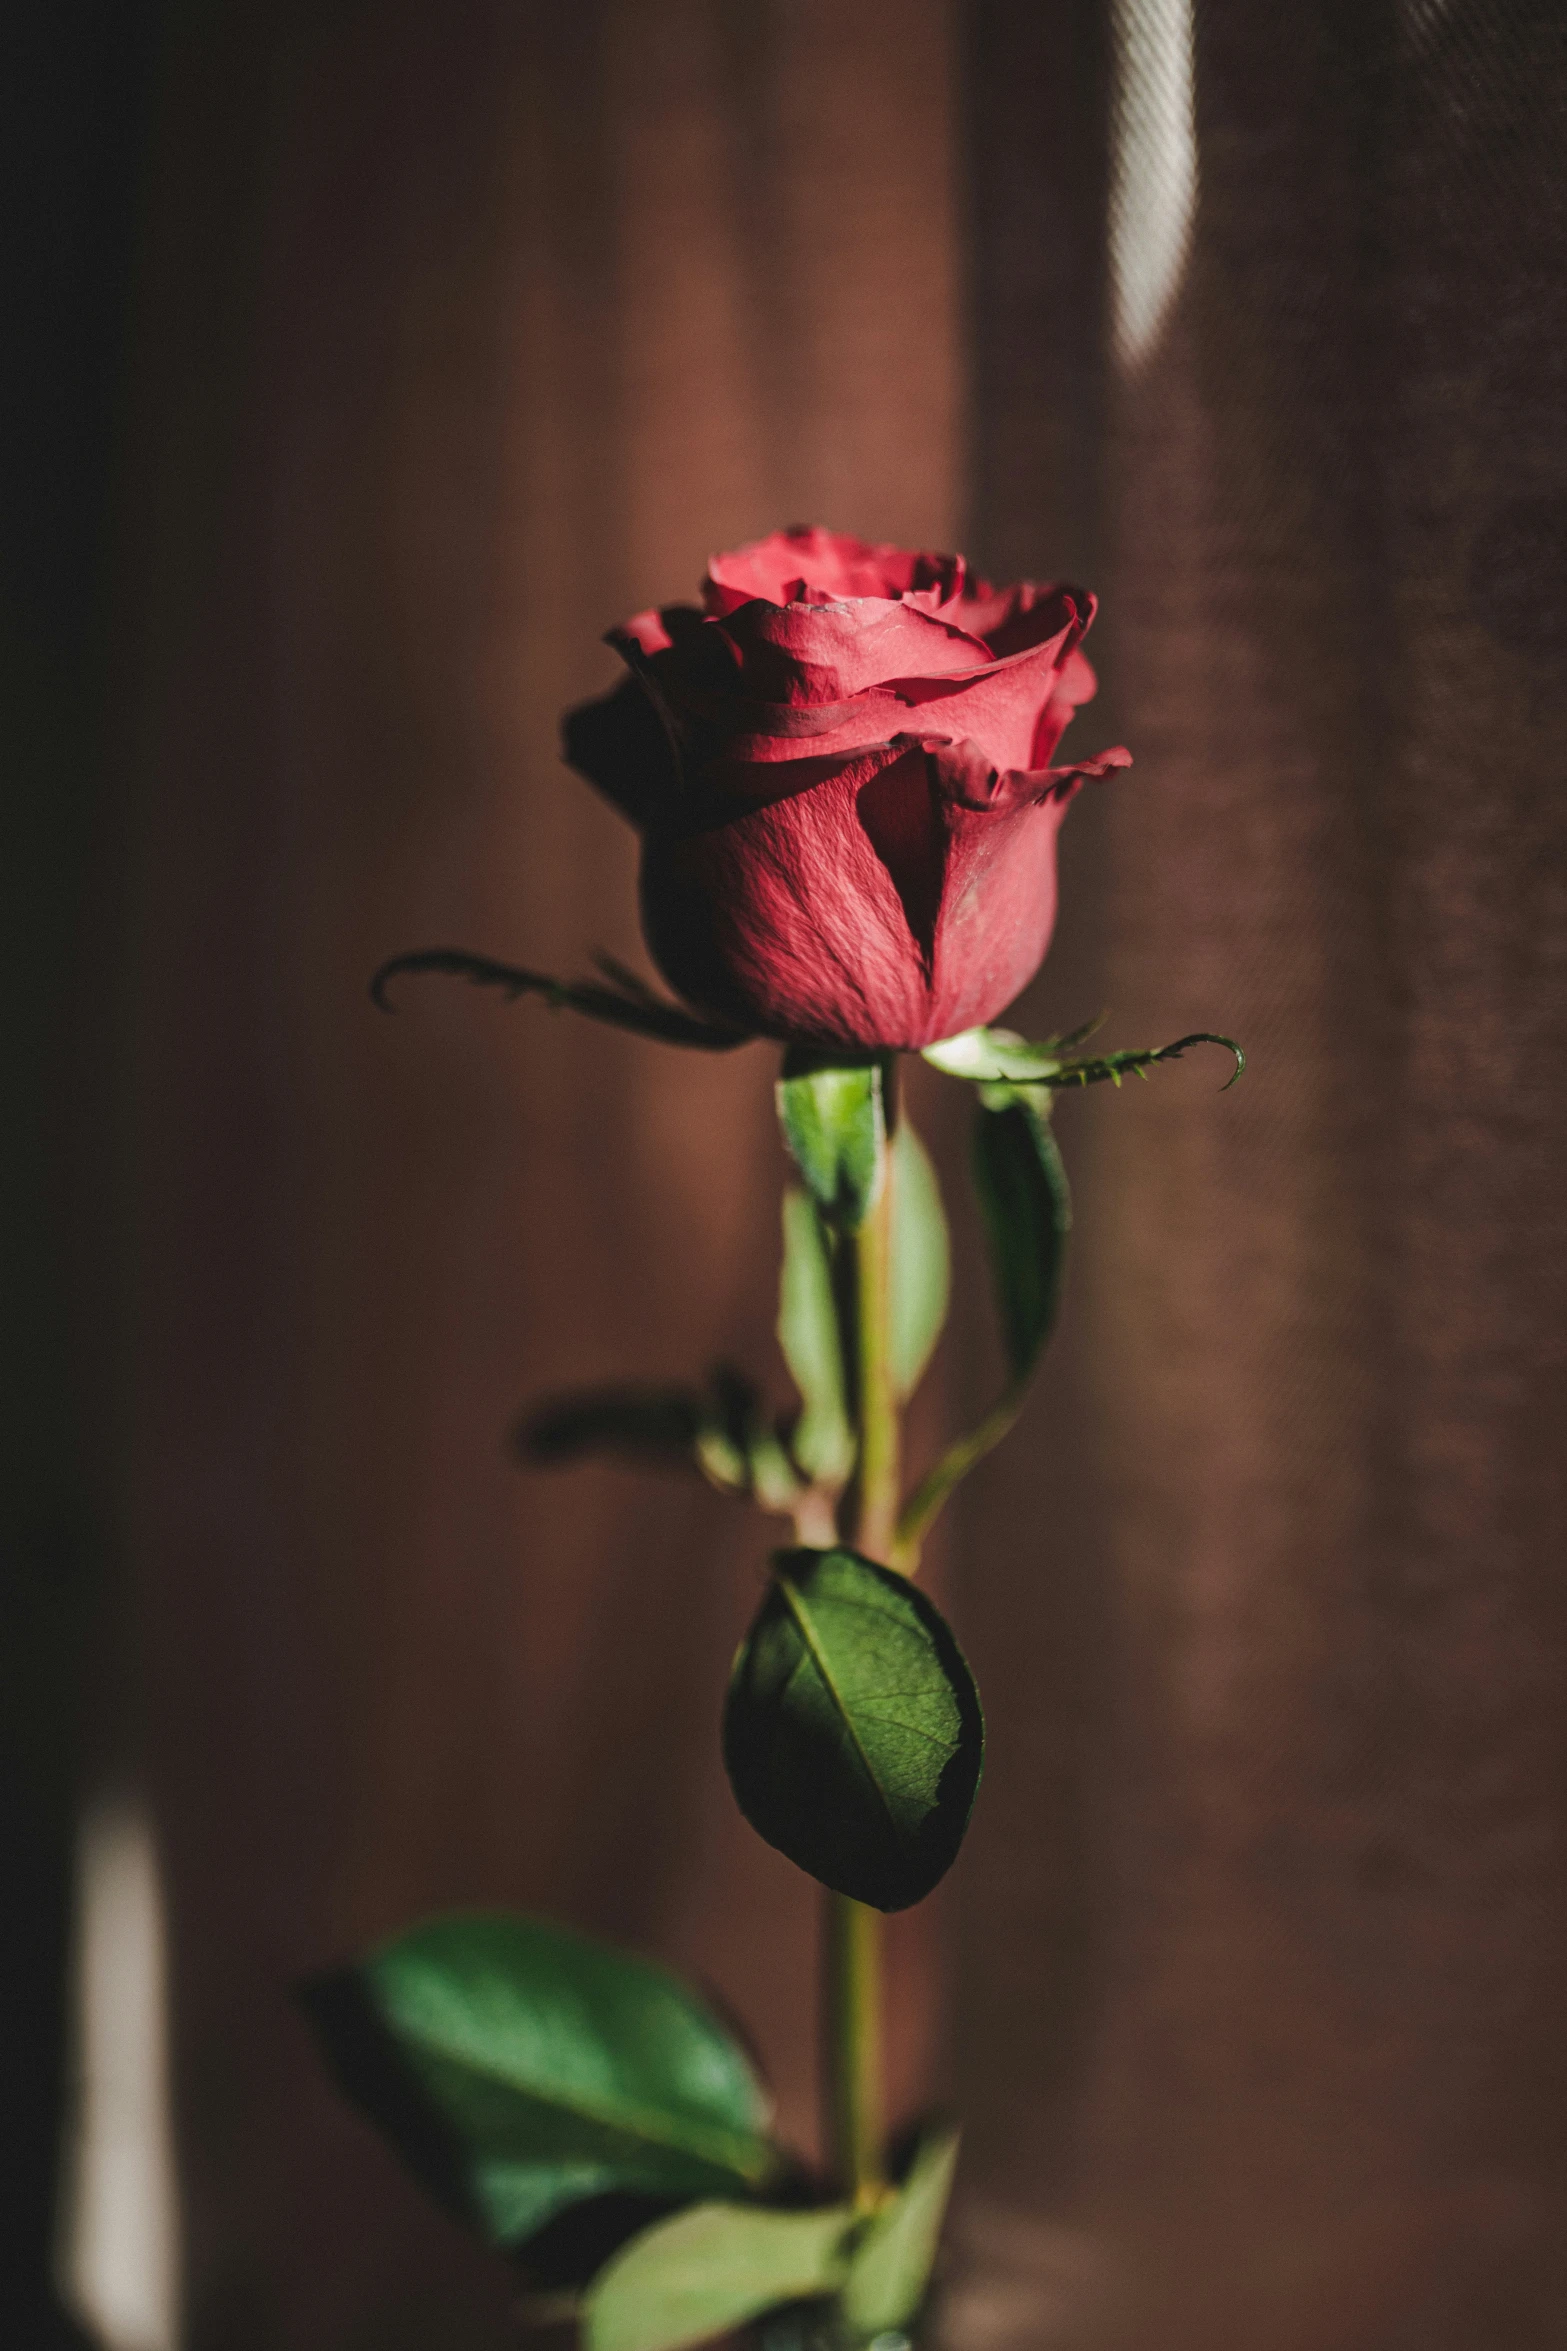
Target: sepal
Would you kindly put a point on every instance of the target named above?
(624, 1003)
(998, 1057)
(833, 1116)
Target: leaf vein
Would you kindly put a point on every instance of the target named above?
(795, 1602)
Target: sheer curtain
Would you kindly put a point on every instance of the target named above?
(466, 331)
(1288, 1968)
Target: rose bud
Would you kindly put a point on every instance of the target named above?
(839, 765)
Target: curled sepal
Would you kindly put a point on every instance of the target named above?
(892, 2261)
(833, 1116)
(711, 2268)
(853, 1736)
(624, 1002)
(998, 1057)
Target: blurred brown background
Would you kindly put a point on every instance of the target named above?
(365, 363)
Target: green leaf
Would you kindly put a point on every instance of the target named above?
(723, 1432)
(711, 2268)
(893, 2260)
(1027, 1207)
(852, 1731)
(920, 1274)
(732, 1418)
(738, 1448)
(518, 2067)
(627, 1004)
(834, 1124)
(812, 1343)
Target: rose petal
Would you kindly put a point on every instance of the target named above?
(1075, 683)
(1004, 707)
(810, 653)
(998, 895)
(1015, 709)
(784, 919)
(807, 565)
(620, 744)
(885, 899)
(1011, 620)
(967, 778)
(644, 632)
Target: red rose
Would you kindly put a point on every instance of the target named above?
(848, 816)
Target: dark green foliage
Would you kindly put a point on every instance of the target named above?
(1027, 1207)
(723, 1431)
(518, 2068)
(852, 1732)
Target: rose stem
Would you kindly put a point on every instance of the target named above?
(853, 1985)
(876, 1523)
(853, 1929)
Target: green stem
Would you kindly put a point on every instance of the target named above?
(877, 1516)
(929, 1496)
(853, 1955)
(853, 1930)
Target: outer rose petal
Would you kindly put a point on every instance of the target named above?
(1075, 683)
(1012, 619)
(885, 899)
